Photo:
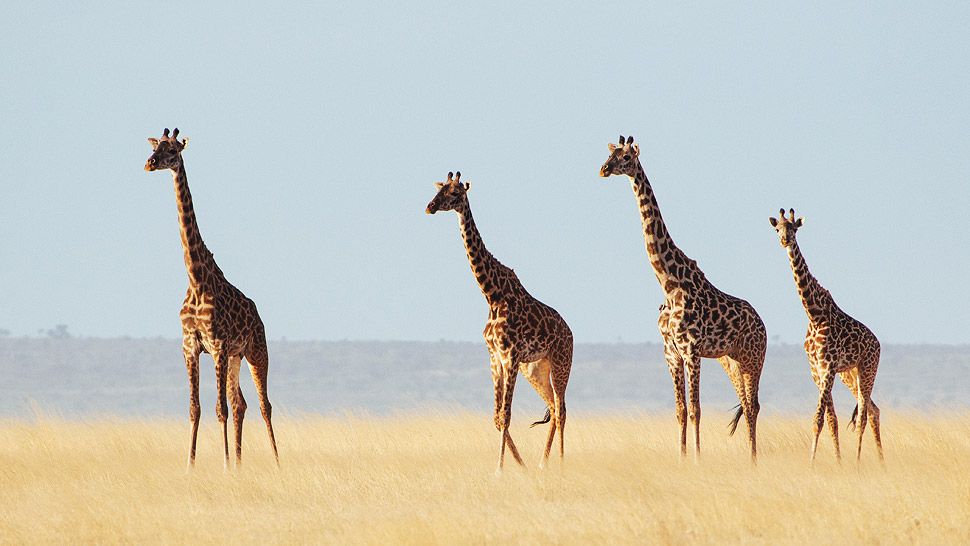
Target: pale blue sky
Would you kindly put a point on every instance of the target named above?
(316, 134)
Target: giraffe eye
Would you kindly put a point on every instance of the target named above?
(627, 156)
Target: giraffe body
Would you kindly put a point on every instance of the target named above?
(217, 318)
(697, 320)
(522, 334)
(836, 345)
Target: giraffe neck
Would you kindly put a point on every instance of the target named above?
(816, 299)
(490, 274)
(198, 259)
(670, 264)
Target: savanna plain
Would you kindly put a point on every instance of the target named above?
(429, 478)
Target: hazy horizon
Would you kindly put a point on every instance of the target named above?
(79, 377)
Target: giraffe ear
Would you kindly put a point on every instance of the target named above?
(611, 146)
(439, 185)
(773, 221)
(800, 222)
(636, 150)
(185, 143)
(468, 186)
(153, 142)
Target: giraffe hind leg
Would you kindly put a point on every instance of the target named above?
(258, 359)
(537, 373)
(874, 424)
(730, 368)
(222, 406)
(693, 365)
(238, 404)
(539, 376)
(864, 402)
(851, 382)
(559, 376)
(833, 423)
(746, 386)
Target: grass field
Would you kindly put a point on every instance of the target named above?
(422, 479)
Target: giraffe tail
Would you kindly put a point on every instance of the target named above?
(544, 420)
(733, 425)
(855, 413)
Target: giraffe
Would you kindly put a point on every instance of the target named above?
(522, 333)
(836, 344)
(216, 317)
(696, 319)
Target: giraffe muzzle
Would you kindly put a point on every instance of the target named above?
(150, 165)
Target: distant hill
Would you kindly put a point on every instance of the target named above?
(146, 377)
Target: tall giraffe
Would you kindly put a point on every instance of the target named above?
(835, 344)
(522, 333)
(696, 320)
(216, 317)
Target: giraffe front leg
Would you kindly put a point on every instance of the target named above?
(693, 366)
(833, 423)
(498, 383)
(191, 354)
(238, 404)
(509, 376)
(222, 407)
(824, 399)
(675, 365)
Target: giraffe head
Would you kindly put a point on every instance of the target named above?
(166, 152)
(451, 194)
(623, 158)
(786, 226)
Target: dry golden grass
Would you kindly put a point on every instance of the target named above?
(429, 479)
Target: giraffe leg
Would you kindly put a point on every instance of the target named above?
(222, 407)
(863, 399)
(553, 423)
(751, 382)
(874, 420)
(731, 369)
(499, 385)
(824, 399)
(693, 366)
(191, 354)
(560, 378)
(258, 359)
(539, 376)
(833, 423)
(861, 425)
(675, 364)
(851, 380)
(829, 412)
(746, 386)
(560, 365)
(237, 403)
(510, 372)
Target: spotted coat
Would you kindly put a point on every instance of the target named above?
(522, 333)
(835, 343)
(697, 320)
(217, 318)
